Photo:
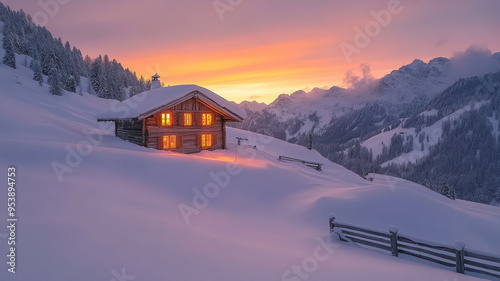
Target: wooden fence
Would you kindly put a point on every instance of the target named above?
(457, 257)
(317, 166)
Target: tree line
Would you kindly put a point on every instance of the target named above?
(63, 64)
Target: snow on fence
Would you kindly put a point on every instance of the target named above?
(314, 165)
(458, 257)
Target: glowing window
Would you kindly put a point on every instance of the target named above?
(206, 119)
(169, 142)
(166, 119)
(188, 119)
(206, 140)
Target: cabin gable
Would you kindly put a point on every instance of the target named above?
(186, 101)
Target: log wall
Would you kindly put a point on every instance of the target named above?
(130, 130)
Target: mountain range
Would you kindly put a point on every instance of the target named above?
(406, 123)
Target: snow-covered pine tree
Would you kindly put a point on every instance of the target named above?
(32, 64)
(148, 85)
(50, 62)
(87, 64)
(9, 58)
(142, 84)
(105, 91)
(75, 56)
(444, 189)
(452, 193)
(70, 84)
(448, 191)
(135, 89)
(37, 72)
(95, 75)
(106, 79)
(54, 81)
(310, 141)
(78, 61)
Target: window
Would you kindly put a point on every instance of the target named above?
(169, 142)
(166, 119)
(206, 140)
(206, 119)
(188, 119)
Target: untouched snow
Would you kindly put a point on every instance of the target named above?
(115, 211)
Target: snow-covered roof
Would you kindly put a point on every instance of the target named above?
(145, 104)
(156, 75)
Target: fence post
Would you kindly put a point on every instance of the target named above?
(460, 256)
(330, 222)
(394, 240)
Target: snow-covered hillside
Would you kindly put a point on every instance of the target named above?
(419, 150)
(94, 207)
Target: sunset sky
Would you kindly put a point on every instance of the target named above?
(258, 49)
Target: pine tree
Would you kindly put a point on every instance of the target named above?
(448, 191)
(37, 73)
(444, 189)
(79, 64)
(310, 141)
(95, 75)
(55, 83)
(50, 62)
(135, 89)
(32, 64)
(9, 58)
(452, 194)
(70, 84)
(87, 64)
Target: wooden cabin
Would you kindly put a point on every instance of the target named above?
(184, 119)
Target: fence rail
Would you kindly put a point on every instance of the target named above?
(458, 257)
(317, 166)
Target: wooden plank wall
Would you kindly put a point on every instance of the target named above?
(130, 130)
(190, 134)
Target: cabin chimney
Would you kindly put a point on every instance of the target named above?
(155, 82)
